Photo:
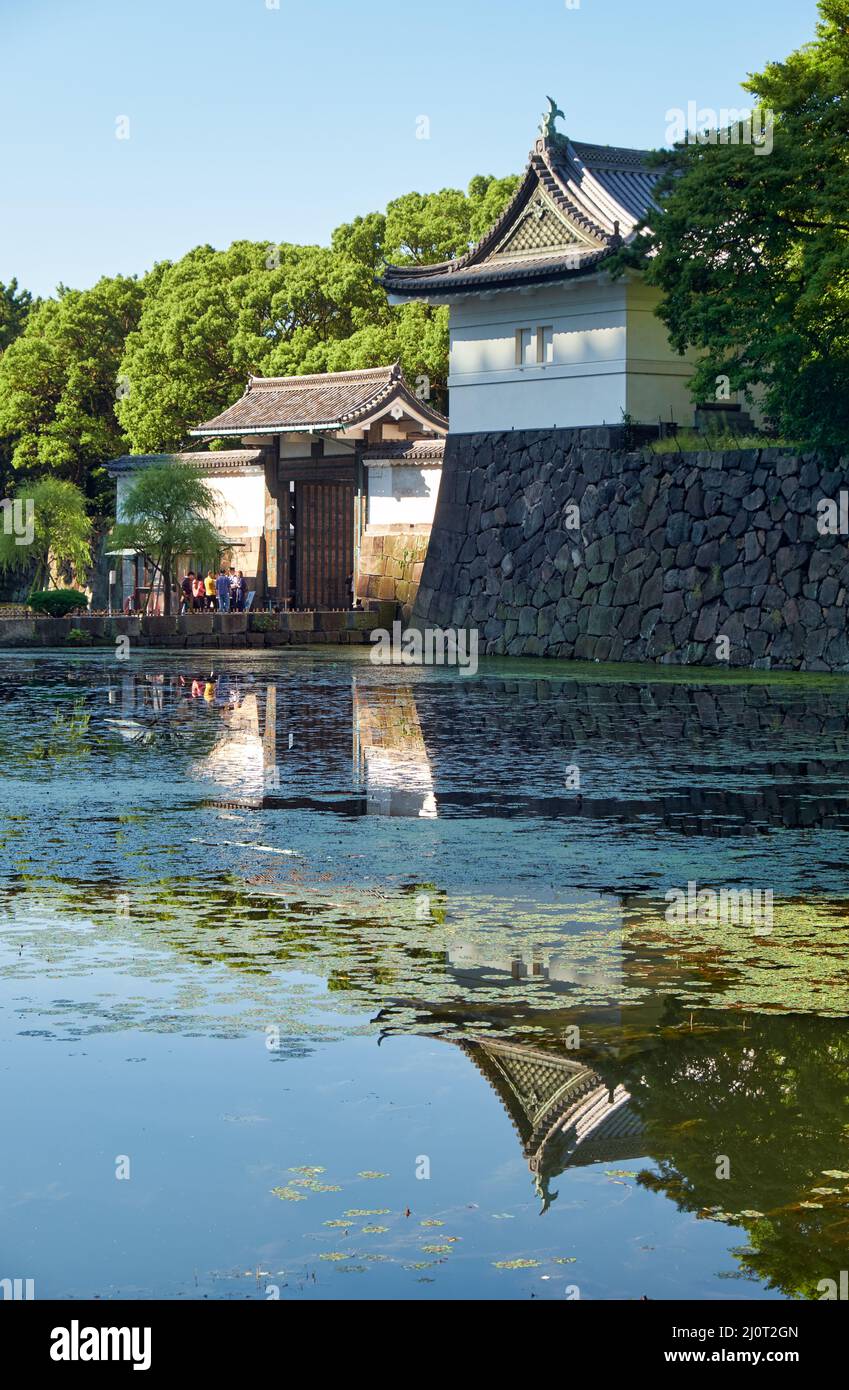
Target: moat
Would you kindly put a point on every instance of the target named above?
(335, 980)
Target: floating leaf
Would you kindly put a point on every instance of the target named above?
(432, 1223)
(288, 1194)
(337, 1223)
(308, 1172)
(833, 1173)
(436, 1249)
(367, 1211)
(369, 1173)
(333, 1255)
(374, 1230)
(516, 1264)
(565, 1259)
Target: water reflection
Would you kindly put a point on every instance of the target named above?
(349, 853)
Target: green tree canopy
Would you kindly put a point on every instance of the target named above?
(58, 384)
(15, 305)
(168, 512)
(134, 364)
(751, 249)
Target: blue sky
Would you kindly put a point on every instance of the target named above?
(276, 124)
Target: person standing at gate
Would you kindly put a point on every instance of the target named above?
(222, 591)
(198, 594)
(187, 592)
(238, 592)
(209, 591)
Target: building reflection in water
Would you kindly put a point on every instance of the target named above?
(391, 763)
(564, 1113)
(263, 739)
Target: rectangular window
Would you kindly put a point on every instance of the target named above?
(534, 346)
(545, 344)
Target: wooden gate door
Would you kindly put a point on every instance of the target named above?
(324, 544)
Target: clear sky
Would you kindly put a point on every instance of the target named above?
(278, 119)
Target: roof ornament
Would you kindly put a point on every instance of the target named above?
(546, 126)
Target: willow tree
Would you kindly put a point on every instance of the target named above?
(46, 528)
(169, 511)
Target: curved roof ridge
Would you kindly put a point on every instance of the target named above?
(596, 189)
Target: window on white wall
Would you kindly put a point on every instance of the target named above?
(534, 346)
(545, 344)
(524, 340)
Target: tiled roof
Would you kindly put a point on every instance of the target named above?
(406, 451)
(590, 199)
(328, 401)
(213, 460)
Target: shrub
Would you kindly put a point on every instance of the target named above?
(58, 603)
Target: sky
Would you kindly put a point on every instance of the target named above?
(133, 130)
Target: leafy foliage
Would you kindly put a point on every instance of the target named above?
(15, 305)
(58, 383)
(751, 250)
(168, 512)
(57, 603)
(61, 531)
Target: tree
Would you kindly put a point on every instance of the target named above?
(59, 382)
(751, 249)
(216, 317)
(15, 305)
(46, 529)
(169, 512)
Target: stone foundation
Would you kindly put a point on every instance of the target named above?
(221, 630)
(391, 563)
(573, 543)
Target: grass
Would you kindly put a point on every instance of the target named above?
(696, 441)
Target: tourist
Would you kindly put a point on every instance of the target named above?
(209, 591)
(238, 592)
(198, 594)
(187, 592)
(222, 591)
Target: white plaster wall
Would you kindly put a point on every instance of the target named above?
(583, 385)
(241, 499)
(401, 494)
(610, 356)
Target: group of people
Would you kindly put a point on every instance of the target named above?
(225, 592)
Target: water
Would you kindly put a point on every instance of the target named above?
(330, 980)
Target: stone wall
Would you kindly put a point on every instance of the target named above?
(221, 630)
(574, 543)
(391, 564)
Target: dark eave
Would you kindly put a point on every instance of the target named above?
(207, 461)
